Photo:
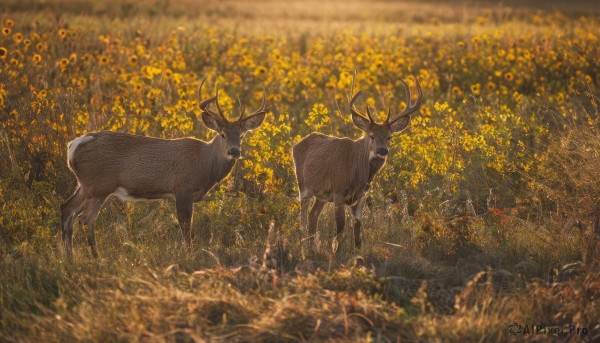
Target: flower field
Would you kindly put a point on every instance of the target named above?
(486, 214)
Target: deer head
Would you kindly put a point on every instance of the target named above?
(230, 131)
(380, 135)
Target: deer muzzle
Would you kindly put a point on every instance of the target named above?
(234, 153)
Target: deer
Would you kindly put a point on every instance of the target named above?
(340, 170)
(141, 168)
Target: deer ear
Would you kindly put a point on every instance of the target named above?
(400, 123)
(211, 122)
(252, 123)
(361, 122)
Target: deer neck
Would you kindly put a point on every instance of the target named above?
(220, 164)
(362, 158)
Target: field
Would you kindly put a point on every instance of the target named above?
(483, 226)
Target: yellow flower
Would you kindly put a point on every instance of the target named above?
(18, 37)
(476, 89)
(86, 57)
(588, 79)
(102, 60)
(36, 58)
(40, 47)
(491, 86)
(27, 42)
(460, 44)
(133, 59)
(3, 52)
(9, 23)
(73, 58)
(509, 76)
(260, 70)
(6, 31)
(63, 63)
(456, 91)
(62, 33)
(168, 74)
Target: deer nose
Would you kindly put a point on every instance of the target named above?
(234, 152)
(382, 151)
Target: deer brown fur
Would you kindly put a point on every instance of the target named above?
(340, 170)
(134, 168)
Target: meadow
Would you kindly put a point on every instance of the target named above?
(486, 215)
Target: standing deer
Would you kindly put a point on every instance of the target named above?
(135, 168)
(340, 170)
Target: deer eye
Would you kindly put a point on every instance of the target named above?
(390, 137)
(223, 135)
(372, 137)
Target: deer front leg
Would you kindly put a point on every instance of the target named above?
(185, 206)
(357, 213)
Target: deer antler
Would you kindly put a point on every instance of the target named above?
(353, 108)
(262, 109)
(410, 107)
(204, 104)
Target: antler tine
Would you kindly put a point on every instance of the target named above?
(369, 114)
(242, 109)
(263, 106)
(353, 98)
(410, 107)
(389, 113)
(204, 104)
(219, 107)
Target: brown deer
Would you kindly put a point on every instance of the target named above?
(134, 168)
(340, 170)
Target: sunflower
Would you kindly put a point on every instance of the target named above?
(260, 70)
(26, 42)
(509, 76)
(456, 91)
(40, 47)
(18, 37)
(133, 59)
(6, 31)
(63, 63)
(36, 58)
(3, 52)
(168, 74)
(86, 57)
(102, 60)
(9, 23)
(476, 89)
(62, 33)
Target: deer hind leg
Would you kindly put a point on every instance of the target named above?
(313, 220)
(68, 210)
(340, 217)
(357, 213)
(305, 199)
(88, 217)
(185, 207)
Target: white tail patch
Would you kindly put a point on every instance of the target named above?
(124, 195)
(74, 144)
